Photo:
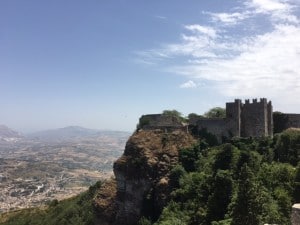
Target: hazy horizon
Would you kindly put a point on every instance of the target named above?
(103, 64)
(27, 132)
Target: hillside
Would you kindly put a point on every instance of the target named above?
(173, 178)
(36, 171)
(7, 133)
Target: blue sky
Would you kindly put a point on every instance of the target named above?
(102, 64)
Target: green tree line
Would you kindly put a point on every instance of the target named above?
(246, 181)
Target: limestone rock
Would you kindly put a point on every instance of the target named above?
(142, 172)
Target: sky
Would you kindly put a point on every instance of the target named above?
(102, 64)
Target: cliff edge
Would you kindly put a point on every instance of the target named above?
(142, 172)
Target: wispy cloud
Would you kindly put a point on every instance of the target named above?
(270, 66)
(264, 63)
(205, 30)
(228, 18)
(188, 84)
(160, 17)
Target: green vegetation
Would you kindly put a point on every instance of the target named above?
(216, 112)
(246, 181)
(287, 148)
(74, 211)
(174, 113)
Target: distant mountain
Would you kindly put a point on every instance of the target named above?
(72, 132)
(7, 133)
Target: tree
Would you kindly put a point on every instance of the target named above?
(226, 158)
(284, 202)
(189, 156)
(247, 206)
(287, 148)
(172, 113)
(216, 112)
(193, 115)
(176, 173)
(219, 200)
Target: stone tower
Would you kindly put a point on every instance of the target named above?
(256, 118)
(233, 116)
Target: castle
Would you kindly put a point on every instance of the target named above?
(249, 119)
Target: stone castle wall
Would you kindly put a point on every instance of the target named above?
(216, 126)
(160, 121)
(252, 119)
(249, 119)
(293, 120)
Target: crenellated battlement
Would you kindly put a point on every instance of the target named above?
(255, 101)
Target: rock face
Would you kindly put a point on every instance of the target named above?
(142, 172)
(104, 203)
(295, 217)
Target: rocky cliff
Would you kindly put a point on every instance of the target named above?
(142, 172)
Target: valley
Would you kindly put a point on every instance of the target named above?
(34, 171)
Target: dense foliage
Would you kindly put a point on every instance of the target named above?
(246, 181)
(174, 113)
(216, 112)
(74, 211)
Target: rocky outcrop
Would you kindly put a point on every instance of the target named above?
(105, 203)
(142, 172)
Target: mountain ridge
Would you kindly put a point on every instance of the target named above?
(6, 132)
(72, 132)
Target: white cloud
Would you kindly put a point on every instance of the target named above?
(270, 67)
(196, 28)
(269, 5)
(228, 18)
(264, 63)
(188, 84)
(279, 10)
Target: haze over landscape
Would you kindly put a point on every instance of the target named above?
(102, 64)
